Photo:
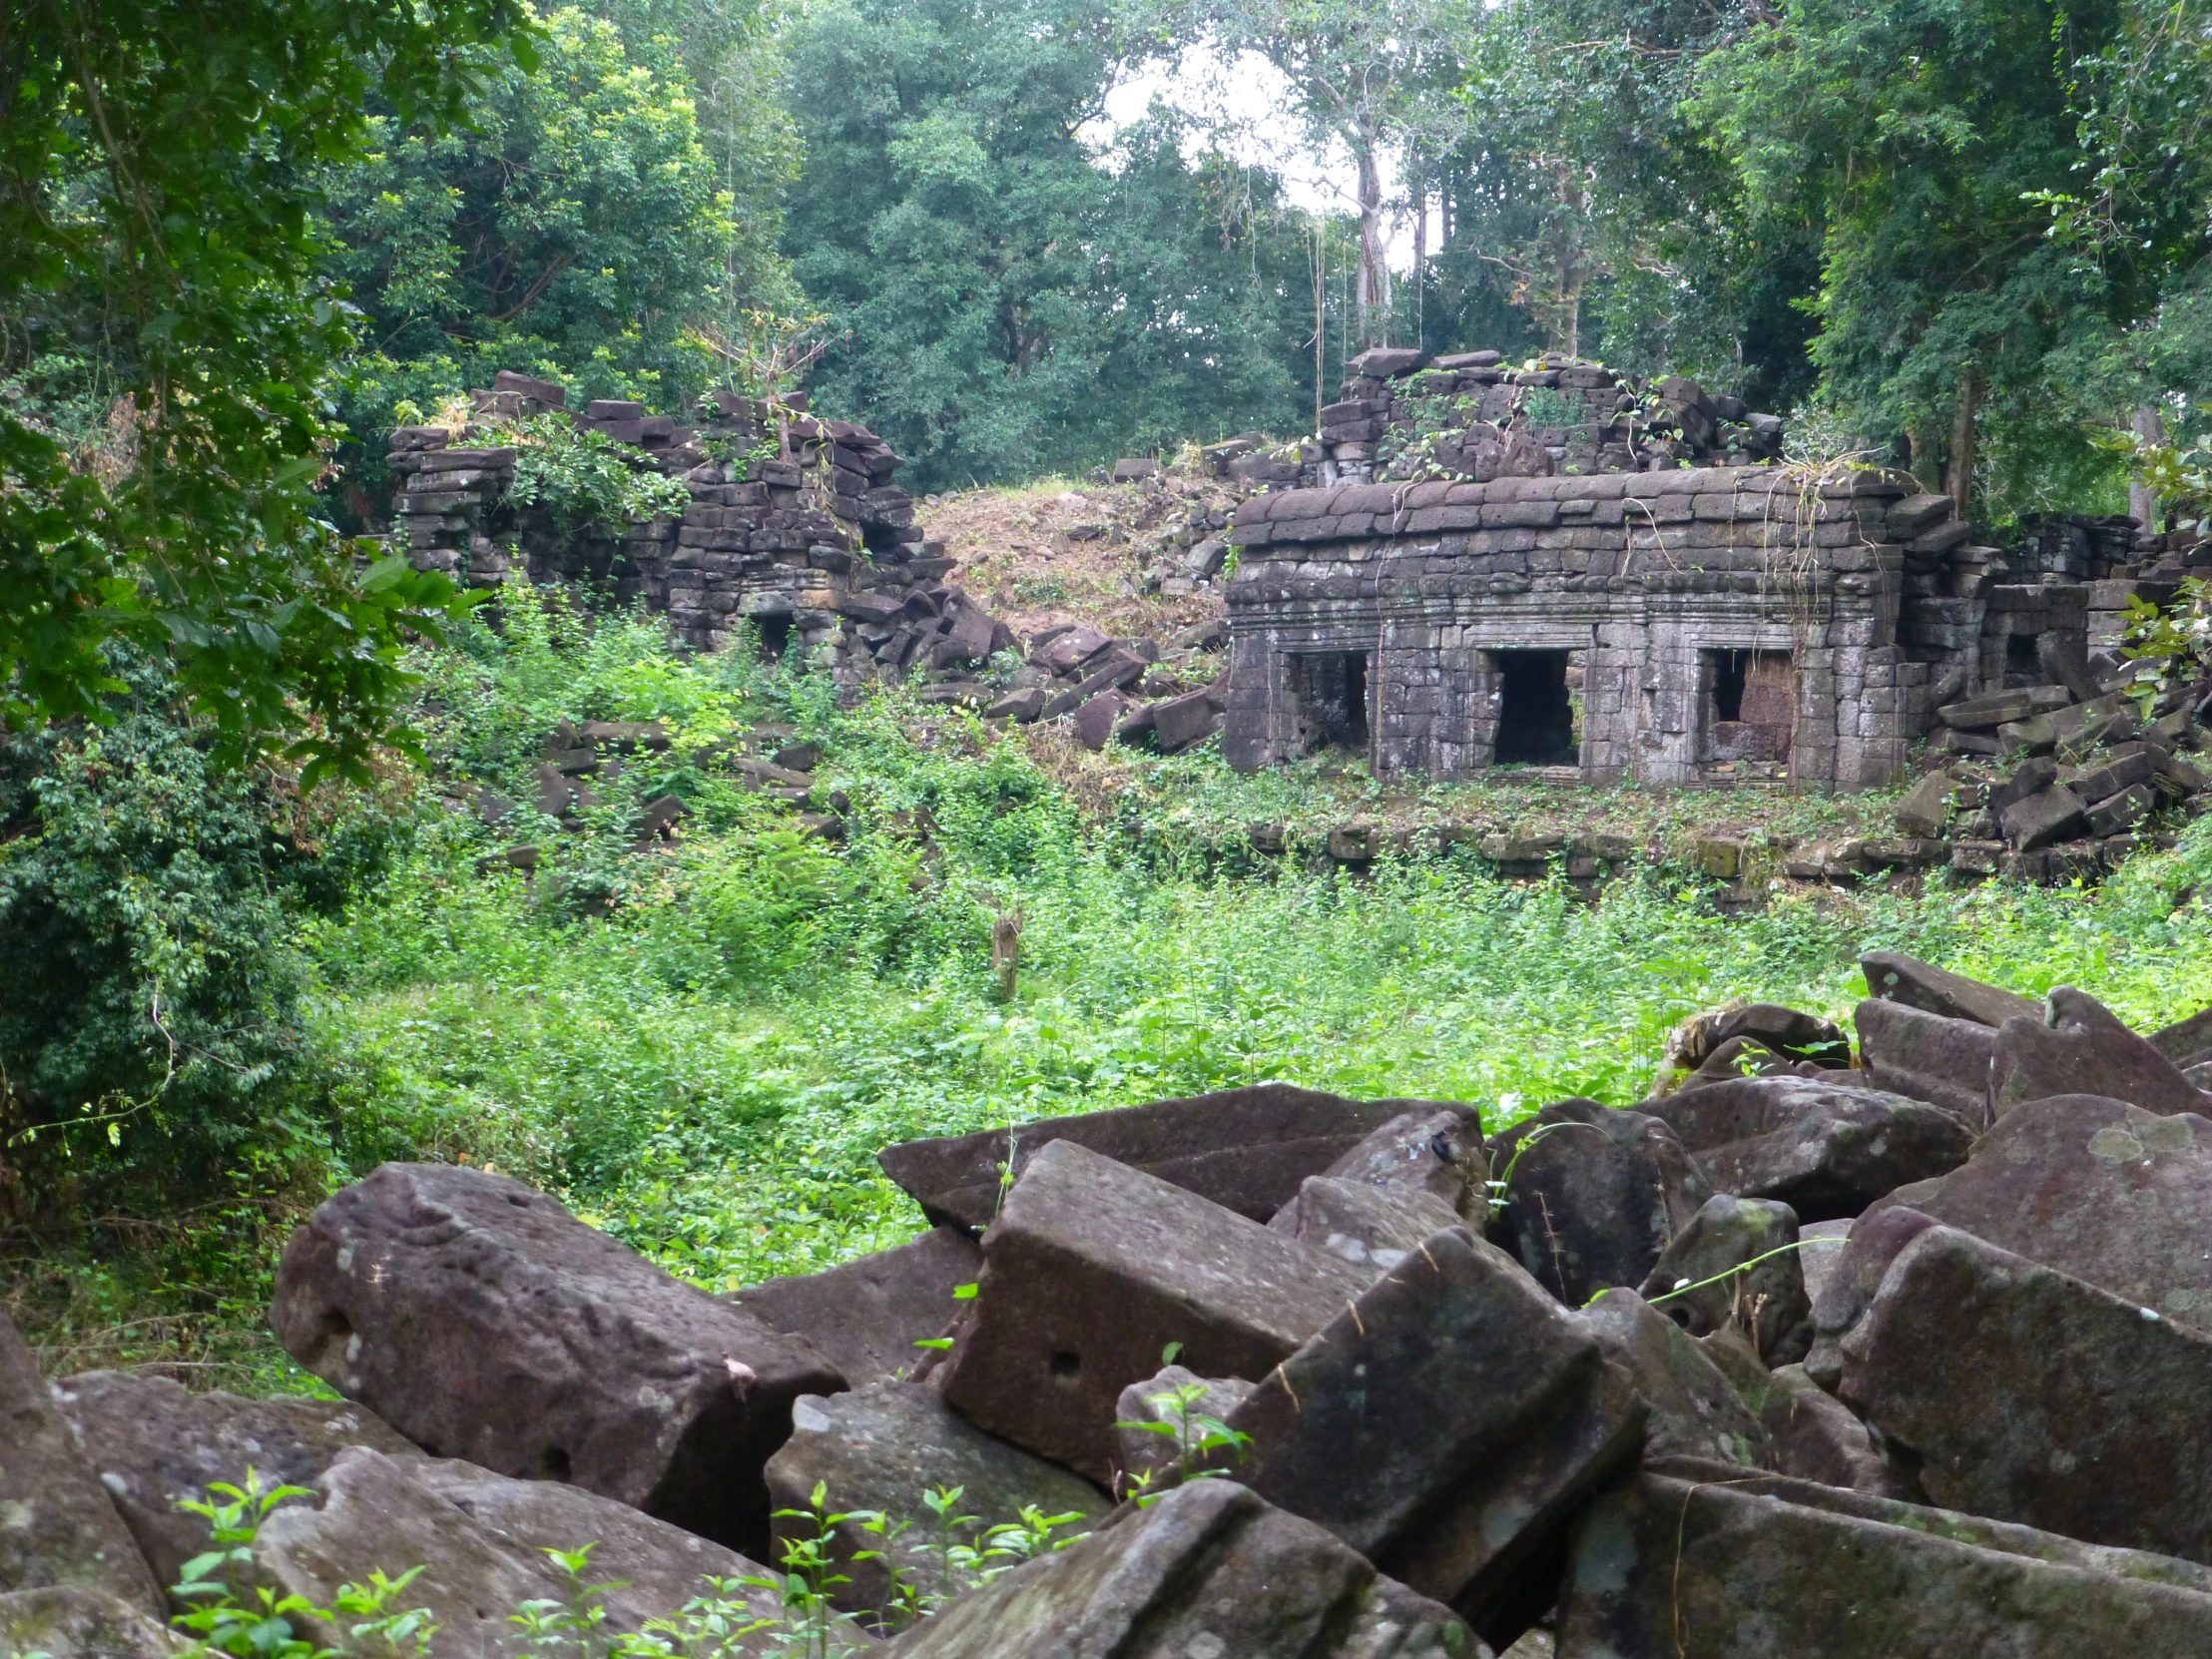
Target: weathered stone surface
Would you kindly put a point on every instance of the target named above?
(1091, 1270)
(1876, 1239)
(2045, 819)
(2186, 1042)
(1768, 1300)
(1906, 1050)
(2081, 1047)
(1246, 1149)
(1893, 976)
(1436, 1148)
(480, 1318)
(881, 1447)
(1823, 1148)
(1150, 1458)
(1445, 1425)
(864, 1316)
(57, 1525)
(1789, 1032)
(1820, 1252)
(1694, 1407)
(1815, 1436)
(1925, 808)
(2030, 1396)
(152, 1443)
(1592, 1196)
(1365, 1223)
(2118, 1197)
(1717, 1563)
(77, 1621)
(1183, 1580)
(481, 1539)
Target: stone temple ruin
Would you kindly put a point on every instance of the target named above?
(1560, 567)
(1568, 568)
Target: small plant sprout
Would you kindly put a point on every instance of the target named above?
(1499, 1189)
(1195, 1433)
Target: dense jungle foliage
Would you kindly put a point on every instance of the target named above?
(246, 946)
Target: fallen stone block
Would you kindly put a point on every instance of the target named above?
(2186, 1042)
(1736, 1263)
(1893, 977)
(1181, 722)
(481, 1540)
(1091, 1270)
(1246, 1149)
(1790, 1032)
(1815, 1436)
(1693, 1408)
(2044, 819)
(77, 1621)
(1183, 1580)
(866, 1315)
(1721, 1564)
(2029, 1396)
(479, 1318)
(1096, 718)
(151, 1443)
(882, 1448)
(2081, 1047)
(58, 1525)
(1945, 1062)
(1435, 1147)
(1591, 1196)
(1447, 1425)
(1820, 1250)
(1366, 1223)
(1823, 1149)
(1162, 1424)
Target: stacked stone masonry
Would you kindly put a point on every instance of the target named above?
(1643, 591)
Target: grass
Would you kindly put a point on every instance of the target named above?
(702, 1047)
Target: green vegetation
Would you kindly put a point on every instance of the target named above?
(702, 1043)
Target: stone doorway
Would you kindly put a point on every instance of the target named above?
(1535, 711)
(1331, 692)
(1750, 711)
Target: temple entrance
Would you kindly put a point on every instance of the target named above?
(1331, 691)
(1535, 714)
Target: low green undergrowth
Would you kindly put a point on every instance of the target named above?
(703, 1044)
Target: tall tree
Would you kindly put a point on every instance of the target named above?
(157, 266)
(1005, 303)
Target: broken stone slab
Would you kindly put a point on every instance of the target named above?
(1160, 1424)
(481, 1539)
(1790, 1032)
(2186, 1042)
(1925, 808)
(1367, 1225)
(1875, 1238)
(1694, 1407)
(152, 1443)
(2081, 1047)
(1823, 1149)
(866, 1315)
(1246, 1149)
(1815, 1436)
(1893, 976)
(882, 1448)
(1446, 1424)
(480, 1318)
(1719, 1563)
(1183, 721)
(2044, 818)
(2030, 1396)
(1736, 1263)
(1208, 1572)
(78, 1621)
(1436, 1149)
(1591, 1196)
(58, 1523)
(1096, 716)
(1820, 1251)
(2115, 1196)
(1091, 1270)
(1945, 1062)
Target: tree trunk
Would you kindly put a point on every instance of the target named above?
(1369, 294)
(2142, 505)
(1959, 475)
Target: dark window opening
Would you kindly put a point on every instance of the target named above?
(774, 635)
(1535, 716)
(2022, 666)
(1729, 669)
(1331, 692)
(1751, 707)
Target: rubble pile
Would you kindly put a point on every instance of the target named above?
(1880, 1350)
